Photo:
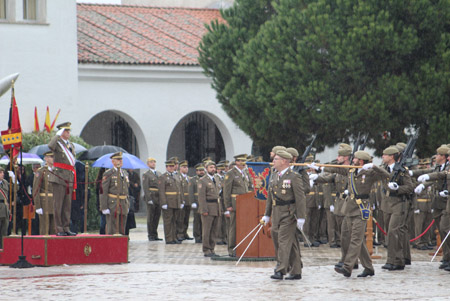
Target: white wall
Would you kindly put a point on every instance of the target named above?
(45, 55)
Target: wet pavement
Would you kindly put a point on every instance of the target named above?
(181, 272)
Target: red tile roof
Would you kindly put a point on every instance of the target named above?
(118, 34)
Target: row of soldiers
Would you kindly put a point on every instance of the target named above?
(174, 195)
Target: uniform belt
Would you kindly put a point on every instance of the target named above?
(313, 193)
(333, 194)
(211, 201)
(196, 193)
(423, 200)
(171, 193)
(284, 203)
(153, 189)
(361, 196)
(234, 195)
(186, 193)
(43, 194)
(122, 197)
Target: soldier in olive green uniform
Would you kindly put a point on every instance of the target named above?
(222, 233)
(397, 198)
(43, 196)
(170, 199)
(114, 201)
(286, 204)
(209, 201)
(193, 200)
(236, 182)
(186, 210)
(151, 196)
(356, 209)
(4, 206)
(444, 226)
(63, 178)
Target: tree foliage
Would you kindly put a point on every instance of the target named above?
(334, 68)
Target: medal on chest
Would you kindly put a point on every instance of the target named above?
(363, 179)
(286, 184)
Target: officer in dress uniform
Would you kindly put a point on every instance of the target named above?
(151, 196)
(209, 201)
(4, 206)
(222, 233)
(236, 183)
(286, 204)
(114, 201)
(170, 199)
(63, 178)
(43, 196)
(193, 200)
(185, 182)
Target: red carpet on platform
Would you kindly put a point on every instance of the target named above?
(57, 250)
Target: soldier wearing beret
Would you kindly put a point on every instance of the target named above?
(43, 196)
(114, 202)
(63, 178)
(151, 196)
(236, 183)
(193, 200)
(4, 206)
(209, 201)
(397, 198)
(286, 204)
(185, 212)
(222, 232)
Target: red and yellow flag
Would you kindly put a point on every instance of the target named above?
(12, 137)
(54, 120)
(36, 120)
(47, 124)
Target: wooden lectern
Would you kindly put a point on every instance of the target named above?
(249, 211)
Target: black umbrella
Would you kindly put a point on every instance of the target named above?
(43, 148)
(97, 151)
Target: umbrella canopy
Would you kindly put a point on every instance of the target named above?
(43, 148)
(97, 151)
(27, 158)
(129, 162)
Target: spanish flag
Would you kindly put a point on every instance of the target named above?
(36, 120)
(13, 135)
(47, 124)
(54, 120)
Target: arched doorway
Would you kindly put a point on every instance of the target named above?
(110, 128)
(195, 137)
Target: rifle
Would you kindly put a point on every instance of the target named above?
(355, 147)
(305, 154)
(364, 144)
(406, 156)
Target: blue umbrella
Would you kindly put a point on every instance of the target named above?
(129, 162)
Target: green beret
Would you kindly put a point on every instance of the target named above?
(284, 154)
(362, 155)
(401, 146)
(442, 150)
(391, 150)
(292, 151)
(344, 149)
(309, 159)
(277, 148)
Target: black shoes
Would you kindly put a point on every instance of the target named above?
(444, 265)
(342, 271)
(334, 246)
(172, 242)
(277, 276)
(154, 238)
(221, 243)
(407, 261)
(294, 277)
(61, 234)
(198, 241)
(70, 233)
(187, 237)
(315, 244)
(341, 264)
(393, 267)
(366, 273)
(211, 255)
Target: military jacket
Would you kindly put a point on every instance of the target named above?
(115, 191)
(395, 199)
(208, 195)
(4, 195)
(41, 198)
(438, 184)
(185, 189)
(442, 176)
(193, 190)
(338, 184)
(235, 183)
(150, 186)
(60, 155)
(169, 190)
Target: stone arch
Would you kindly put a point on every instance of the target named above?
(105, 127)
(208, 137)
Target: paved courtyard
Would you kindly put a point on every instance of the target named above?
(180, 272)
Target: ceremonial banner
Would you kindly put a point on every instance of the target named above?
(260, 172)
(47, 124)
(13, 136)
(36, 120)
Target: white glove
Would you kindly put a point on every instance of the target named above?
(320, 206)
(313, 177)
(106, 212)
(432, 210)
(59, 132)
(181, 206)
(393, 186)
(164, 206)
(150, 202)
(419, 189)
(12, 176)
(40, 211)
(265, 219)
(331, 208)
(367, 166)
(346, 192)
(194, 205)
(311, 183)
(300, 223)
(226, 212)
(373, 206)
(410, 173)
(416, 211)
(443, 193)
(423, 178)
(314, 166)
